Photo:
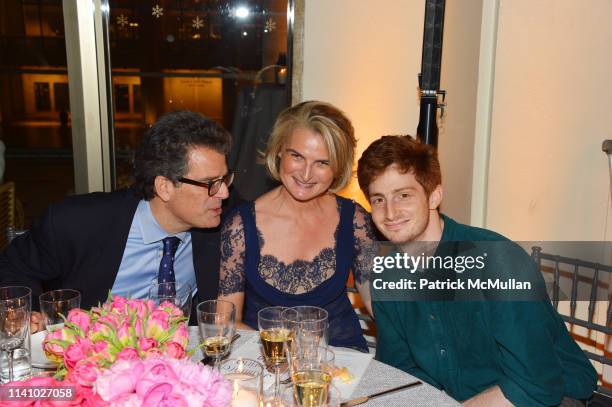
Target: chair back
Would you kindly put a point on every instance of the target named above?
(591, 275)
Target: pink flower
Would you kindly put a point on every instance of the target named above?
(138, 327)
(80, 318)
(54, 350)
(162, 381)
(101, 329)
(140, 307)
(84, 373)
(76, 352)
(101, 348)
(146, 343)
(124, 334)
(175, 350)
(127, 354)
(154, 352)
(119, 380)
(181, 335)
(157, 324)
(118, 304)
(162, 395)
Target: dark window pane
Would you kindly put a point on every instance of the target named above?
(42, 101)
(223, 58)
(34, 104)
(137, 98)
(122, 98)
(62, 98)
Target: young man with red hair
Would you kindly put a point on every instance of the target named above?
(485, 353)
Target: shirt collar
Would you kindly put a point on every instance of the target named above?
(150, 230)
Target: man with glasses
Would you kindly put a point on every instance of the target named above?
(163, 229)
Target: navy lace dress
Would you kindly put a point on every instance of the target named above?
(266, 281)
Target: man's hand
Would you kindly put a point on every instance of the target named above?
(36, 322)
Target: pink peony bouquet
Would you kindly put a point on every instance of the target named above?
(155, 381)
(120, 329)
(162, 381)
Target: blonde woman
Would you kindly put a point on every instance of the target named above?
(296, 244)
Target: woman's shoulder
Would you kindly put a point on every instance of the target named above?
(233, 217)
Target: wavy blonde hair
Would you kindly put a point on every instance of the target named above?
(324, 119)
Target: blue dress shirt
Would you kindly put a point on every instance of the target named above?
(143, 253)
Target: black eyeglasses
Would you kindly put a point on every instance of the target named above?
(214, 185)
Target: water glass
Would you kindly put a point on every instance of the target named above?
(15, 312)
(308, 324)
(216, 319)
(246, 376)
(55, 305)
(175, 293)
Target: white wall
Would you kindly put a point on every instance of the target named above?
(548, 178)
(459, 77)
(364, 57)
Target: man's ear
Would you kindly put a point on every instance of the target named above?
(435, 198)
(164, 188)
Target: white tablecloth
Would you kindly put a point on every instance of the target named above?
(378, 377)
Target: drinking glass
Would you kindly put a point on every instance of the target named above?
(275, 339)
(291, 398)
(216, 319)
(246, 376)
(55, 305)
(15, 311)
(322, 355)
(309, 325)
(311, 374)
(175, 293)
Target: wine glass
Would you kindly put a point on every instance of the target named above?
(275, 338)
(246, 376)
(15, 311)
(216, 319)
(55, 305)
(173, 292)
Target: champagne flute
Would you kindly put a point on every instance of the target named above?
(15, 311)
(275, 338)
(173, 292)
(55, 305)
(291, 399)
(311, 375)
(216, 319)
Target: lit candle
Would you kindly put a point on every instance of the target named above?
(242, 397)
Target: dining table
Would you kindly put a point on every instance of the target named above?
(376, 376)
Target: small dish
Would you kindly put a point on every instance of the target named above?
(39, 359)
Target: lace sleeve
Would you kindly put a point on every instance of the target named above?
(364, 244)
(232, 271)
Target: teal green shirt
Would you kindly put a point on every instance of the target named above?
(466, 347)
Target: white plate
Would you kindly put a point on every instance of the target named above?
(39, 359)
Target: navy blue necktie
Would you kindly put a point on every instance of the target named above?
(166, 266)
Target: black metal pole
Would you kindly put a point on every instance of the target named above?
(429, 78)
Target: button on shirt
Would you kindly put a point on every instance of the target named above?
(143, 253)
